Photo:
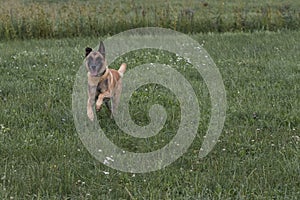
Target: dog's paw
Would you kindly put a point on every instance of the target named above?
(90, 115)
(98, 108)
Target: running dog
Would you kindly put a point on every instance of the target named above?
(104, 84)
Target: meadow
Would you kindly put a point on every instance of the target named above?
(57, 19)
(256, 157)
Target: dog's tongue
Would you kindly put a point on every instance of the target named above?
(94, 73)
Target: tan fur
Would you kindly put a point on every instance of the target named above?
(109, 83)
(113, 90)
(102, 82)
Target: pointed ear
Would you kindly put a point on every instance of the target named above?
(102, 49)
(88, 51)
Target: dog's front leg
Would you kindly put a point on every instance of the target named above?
(90, 102)
(100, 99)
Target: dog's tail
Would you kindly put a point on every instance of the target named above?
(122, 69)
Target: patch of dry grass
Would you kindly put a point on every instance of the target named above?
(57, 19)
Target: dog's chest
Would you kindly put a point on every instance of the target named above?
(102, 86)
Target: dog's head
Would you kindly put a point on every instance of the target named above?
(95, 60)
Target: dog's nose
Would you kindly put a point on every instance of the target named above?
(93, 67)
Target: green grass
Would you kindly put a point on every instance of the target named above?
(27, 19)
(256, 157)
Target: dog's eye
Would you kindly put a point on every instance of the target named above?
(90, 60)
(98, 60)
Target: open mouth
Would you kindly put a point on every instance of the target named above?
(93, 73)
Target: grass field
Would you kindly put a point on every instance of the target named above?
(27, 19)
(255, 45)
(256, 157)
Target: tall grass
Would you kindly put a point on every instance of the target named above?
(57, 19)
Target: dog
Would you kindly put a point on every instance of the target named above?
(104, 84)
